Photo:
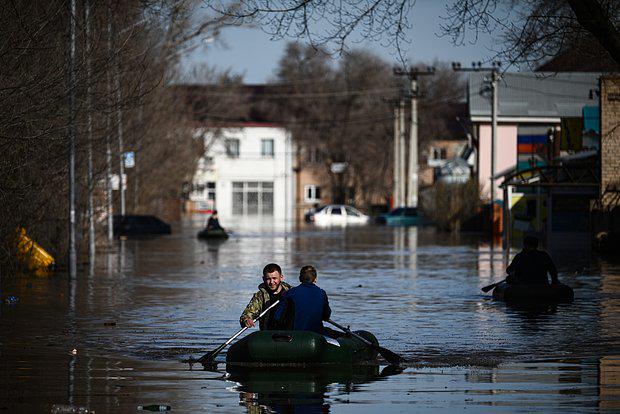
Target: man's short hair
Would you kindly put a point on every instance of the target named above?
(270, 268)
(530, 241)
(307, 274)
(214, 212)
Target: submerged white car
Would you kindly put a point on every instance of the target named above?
(338, 214)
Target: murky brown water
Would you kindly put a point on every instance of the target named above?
(149, 303)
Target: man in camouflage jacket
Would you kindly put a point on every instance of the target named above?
(272, 289)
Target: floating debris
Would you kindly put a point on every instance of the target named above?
(11, 300)
(70, 409)
(154, 407)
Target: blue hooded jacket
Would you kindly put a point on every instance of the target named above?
(306, 305)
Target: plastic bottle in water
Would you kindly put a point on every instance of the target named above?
(154, 407)
(70, 409)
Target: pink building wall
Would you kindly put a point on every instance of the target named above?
(505, 155)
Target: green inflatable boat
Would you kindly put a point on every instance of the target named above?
(533, 294)
(212, 234)
(300, 347)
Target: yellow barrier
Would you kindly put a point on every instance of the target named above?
(33, 255)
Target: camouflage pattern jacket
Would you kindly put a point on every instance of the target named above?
(257, 304)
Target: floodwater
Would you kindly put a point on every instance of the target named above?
(149, 303)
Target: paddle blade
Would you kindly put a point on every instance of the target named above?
(389, 356)
(488, 288)
(207, 360)
(208, 357)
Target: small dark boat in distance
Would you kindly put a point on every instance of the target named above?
(533, 294)
(300, 348)
(219, 234)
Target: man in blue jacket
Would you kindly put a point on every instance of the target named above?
(304, 307)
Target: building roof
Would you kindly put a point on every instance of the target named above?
(230, 104)
(533, 96)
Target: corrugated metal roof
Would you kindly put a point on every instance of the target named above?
(534, 94)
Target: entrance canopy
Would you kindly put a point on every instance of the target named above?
(582, 178)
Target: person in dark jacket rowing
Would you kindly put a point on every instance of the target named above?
(214, 222)
(530, 266)
(304, 307)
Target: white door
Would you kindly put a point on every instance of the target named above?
(354, 216)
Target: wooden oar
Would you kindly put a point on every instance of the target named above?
(492, 286)
(207, 359)
(389, 356)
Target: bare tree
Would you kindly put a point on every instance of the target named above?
(148, 40)
(531, 30)
(450, 205)
(442, 99)
(338, 111)
(342, 111)
(328, 24)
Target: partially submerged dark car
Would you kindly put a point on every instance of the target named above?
(401, 216)
(136, 225)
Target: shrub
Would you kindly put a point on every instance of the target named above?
(448, 205)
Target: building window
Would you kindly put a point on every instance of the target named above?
(206, 163)
(252, 198)
(210, 192)
(205, 196)
(439, 153)
(313, 155)
(232, 147)
(266, 147)
(312, 193)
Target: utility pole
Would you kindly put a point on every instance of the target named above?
(494, 83)
(108, 155)
(137, 150)
(72, 219)
(396, 190)
(402, 180)
(412, 182)
(119, 116)
(89, 127)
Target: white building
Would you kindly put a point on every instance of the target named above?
(246, 174)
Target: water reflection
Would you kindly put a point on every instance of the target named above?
(534, 318)
(295, 390)
(405, 242)
(609, 382)
(492, 263)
